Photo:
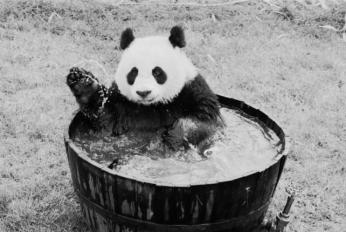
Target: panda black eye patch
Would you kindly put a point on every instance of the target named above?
(131, 76)
(159, 75)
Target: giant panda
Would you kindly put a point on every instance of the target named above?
(156, 87)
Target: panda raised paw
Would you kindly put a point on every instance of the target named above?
(89, 93)
(82, 84)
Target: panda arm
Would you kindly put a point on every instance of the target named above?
(199, 102)
(199, 117)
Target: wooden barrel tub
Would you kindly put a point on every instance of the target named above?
(113, 203)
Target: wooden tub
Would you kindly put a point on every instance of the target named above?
(111, 202)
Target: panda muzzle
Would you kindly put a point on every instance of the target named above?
(143, 94)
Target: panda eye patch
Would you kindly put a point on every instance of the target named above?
(131, 76)
(159, 75)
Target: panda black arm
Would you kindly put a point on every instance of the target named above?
(199, 102)
(199, 116)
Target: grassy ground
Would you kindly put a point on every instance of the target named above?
(287, 66)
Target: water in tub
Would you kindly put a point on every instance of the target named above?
(242, 147)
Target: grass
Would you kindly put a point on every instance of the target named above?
(290, 68)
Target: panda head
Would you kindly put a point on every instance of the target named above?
(153, 69)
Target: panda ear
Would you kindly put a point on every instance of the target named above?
(126, 38)
(177, 37)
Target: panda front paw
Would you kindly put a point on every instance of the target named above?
(174, 137)
(89, 93)
(186, 132)
(83, 84)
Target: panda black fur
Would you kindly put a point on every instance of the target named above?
(156, 86)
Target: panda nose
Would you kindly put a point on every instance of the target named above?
(143, 94)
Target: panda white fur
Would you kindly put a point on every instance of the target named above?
(156, 86)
